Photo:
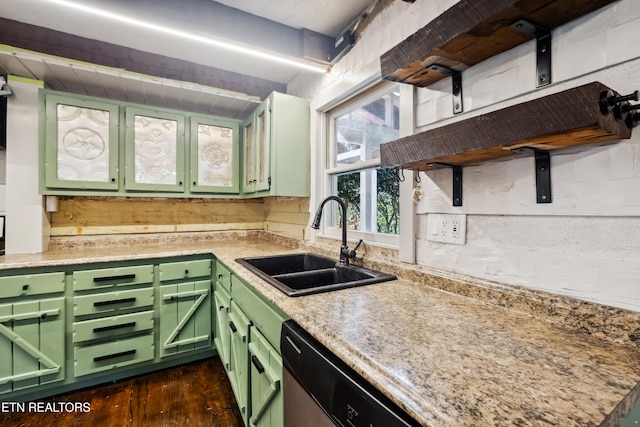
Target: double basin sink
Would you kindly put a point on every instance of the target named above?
(305, 273)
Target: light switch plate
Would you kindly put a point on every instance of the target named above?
(447, 228)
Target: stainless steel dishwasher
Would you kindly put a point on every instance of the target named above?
(320, 390)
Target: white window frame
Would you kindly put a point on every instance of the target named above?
(368, 94)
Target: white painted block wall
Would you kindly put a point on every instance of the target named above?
(587, 242)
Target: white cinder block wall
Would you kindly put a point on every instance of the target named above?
(586, 243)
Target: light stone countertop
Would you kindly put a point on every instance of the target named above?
(447, 359)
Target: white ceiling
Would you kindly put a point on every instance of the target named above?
(330, 17)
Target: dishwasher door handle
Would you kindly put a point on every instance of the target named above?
(295, 346)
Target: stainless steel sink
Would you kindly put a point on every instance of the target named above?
(304, 274)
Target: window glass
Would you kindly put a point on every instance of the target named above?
(360, 131)
(358, 128)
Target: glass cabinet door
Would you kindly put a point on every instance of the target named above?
(81, 143)
(257, 139)
(249, 148)
(154, 150)
(214, 155)
(263, 141)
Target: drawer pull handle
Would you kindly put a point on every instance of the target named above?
(186, 272)
(220, 276)
(112, 278)
(114, 301)
(25, 287)
(257, 364)
(114, 355)
(113, 327)
(233, 327)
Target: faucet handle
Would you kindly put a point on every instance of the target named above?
(350, 253)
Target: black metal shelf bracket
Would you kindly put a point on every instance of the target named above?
(456, 82)
(457, 181)
(543, 48)
(543, 174)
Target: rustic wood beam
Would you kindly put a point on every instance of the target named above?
(563, 119)
(472, 31)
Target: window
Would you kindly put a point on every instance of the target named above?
(357, 127)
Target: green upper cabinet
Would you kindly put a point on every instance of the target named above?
(91, 146)
(154, 150)
(276, 154)
(214, 157)
(81, 143)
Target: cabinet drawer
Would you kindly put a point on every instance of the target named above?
(111, 277)
(112, 302)
(223, 276)
(264, 315)
(185, 269)
(112, 326)
(31, 284)
(114, 354)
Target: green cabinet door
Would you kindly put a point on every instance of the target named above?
(32, 344)
(257, 146)
(215, 157)
(80, 143)
(267, 406)
(239, 358)
(154, 152)
(222, 334)
(185, 317)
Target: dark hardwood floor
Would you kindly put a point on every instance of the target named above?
(196, 394)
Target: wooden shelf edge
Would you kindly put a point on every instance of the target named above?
(568, 118)
(472, 31)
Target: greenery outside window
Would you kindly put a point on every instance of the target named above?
(357, 127)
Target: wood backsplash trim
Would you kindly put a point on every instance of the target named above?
(563, 119)
(472, 31)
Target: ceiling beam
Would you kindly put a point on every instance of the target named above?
(43, 40)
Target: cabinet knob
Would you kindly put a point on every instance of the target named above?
(186, 272)
(25, 287)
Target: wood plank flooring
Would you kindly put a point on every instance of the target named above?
(196, 394)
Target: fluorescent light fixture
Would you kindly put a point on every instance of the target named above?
(287, 60)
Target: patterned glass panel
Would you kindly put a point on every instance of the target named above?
(83, 144)
(155, 150)
(248, 155)
(262, 148)
(215, 156)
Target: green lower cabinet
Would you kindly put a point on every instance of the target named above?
(239, 358)
(267, 407)
(32, 344)
(112, 355)
(185, 317)
(222, 340)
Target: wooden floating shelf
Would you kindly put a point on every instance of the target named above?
(472, 31)
(563, 119)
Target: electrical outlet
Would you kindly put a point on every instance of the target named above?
(447, 228)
